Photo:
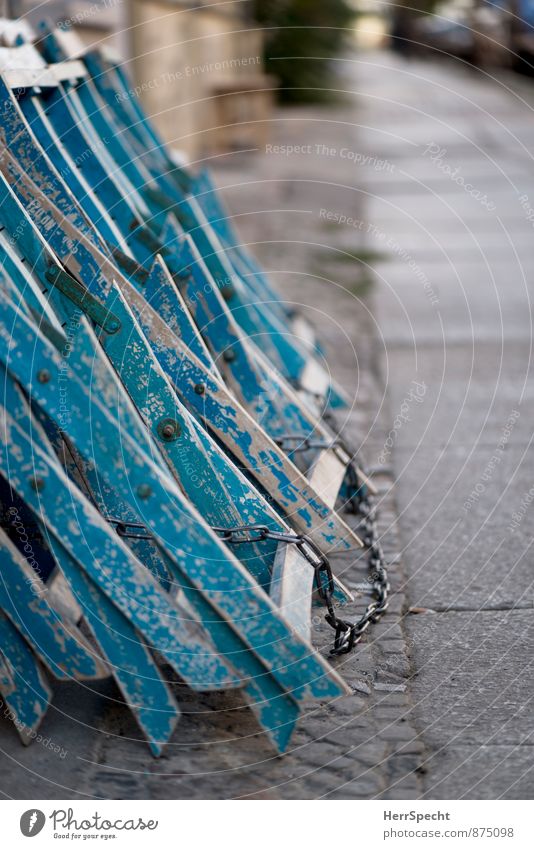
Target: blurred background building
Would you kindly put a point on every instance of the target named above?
(208, 72)
(202, 72)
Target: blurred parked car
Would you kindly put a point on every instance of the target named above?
(487, 33)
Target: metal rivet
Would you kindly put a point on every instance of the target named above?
(37, 483)
(112, 326)
(169, 429)
(200, 388)
(144, 490)
(43, 375)
(227, 292)
(229, 356)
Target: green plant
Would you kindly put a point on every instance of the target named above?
(301, 39)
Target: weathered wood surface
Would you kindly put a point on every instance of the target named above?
(179, 529)
(23, 686)
(279, 476)
(99, 553)
(276, 710)
(57, 642)
(142, 419)
(271, 391)
(239, 432)
(291, 588)
(106, 107)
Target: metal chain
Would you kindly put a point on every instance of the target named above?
(347, 634)
(361, 504)
(309, 550)
(305, 443)
(122, 529)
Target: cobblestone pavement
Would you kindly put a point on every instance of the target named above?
(427, 716)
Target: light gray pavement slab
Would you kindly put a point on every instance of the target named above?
(467, 689)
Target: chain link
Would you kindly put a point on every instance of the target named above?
(121, 527)
(305, 443)
(295, 443)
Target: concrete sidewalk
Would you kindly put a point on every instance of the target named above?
(417, 277)
(454, 215)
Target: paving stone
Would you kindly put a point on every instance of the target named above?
(480, 772)
(349, 706)
(360, 687)
(398, 701)
(472, 352)
(370, 753)
(397, 732)
(415, 746)
(381, 711)
(392, 646)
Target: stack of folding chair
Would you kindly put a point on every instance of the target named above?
(168, 482)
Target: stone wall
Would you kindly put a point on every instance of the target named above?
(199, 74)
